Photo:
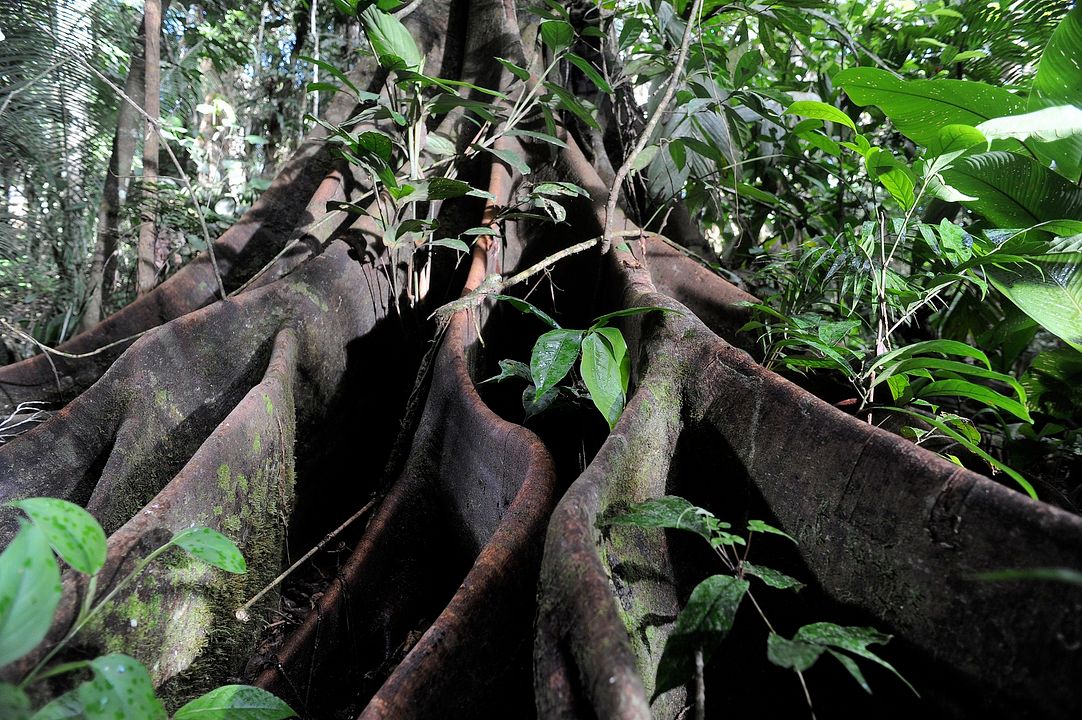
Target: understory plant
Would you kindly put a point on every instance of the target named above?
(705, 621)
(113, 686)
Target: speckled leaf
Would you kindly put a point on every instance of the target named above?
(702, 624)
(29, 592)
(668, 511)
(235, 702)
(792, 654)
(772, 577)
(851, 639)
(121, 688)
(73, 532)
(212, 547)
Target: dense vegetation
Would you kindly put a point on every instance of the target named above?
(896, 185)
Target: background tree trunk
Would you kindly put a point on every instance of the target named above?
(146, 262)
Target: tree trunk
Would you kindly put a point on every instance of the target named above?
(146, 267)
(480, 584)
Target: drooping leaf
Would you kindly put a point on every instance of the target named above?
(1059, 82)
(120, 688)
(851, 667)
(854, 640)
(668, 511)
(511, 369)
(530, 309)
(945, 347)
(792, 654)
(761, 527)
(571, 103)
(73, 532)
(919, 108)
(29, 592)
(211, 547)
(519, 72)
(980, 393)
(615, 340)
(390, 40)
(702, 625)
(604, 320)
(601, 373)
(590, 71)
(512, 158)
(554, 354)
(235, 702)
(1049, 290)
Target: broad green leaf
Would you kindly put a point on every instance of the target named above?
(643, 158)
(820, 111)
(851, 639)
(702, 625)
(519, 72)
(235, 702)
(212, 547)
(530, 309)
(951, 366)
(554, 354)
(390, 40)
(452, 243)
(572, 104)
(900, 186)
(557, 34)
(792, 654)
(512, 158)
(601, 373)
(952, 138)
(919, 108)
(772, 577)
(668, 511)
(29, 592)
(120, 688)
(66, 707)
(532, 406)
(762, 527)
(14, 704)
(376, 142)
(1053, 574)
(589, 71)
(1014, 191)
(1049, 291)
(439, 145)
(73, 532)
(1059, 82)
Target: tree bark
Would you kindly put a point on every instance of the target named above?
(146, 268)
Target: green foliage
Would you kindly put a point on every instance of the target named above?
(119, 686)
(711, 609)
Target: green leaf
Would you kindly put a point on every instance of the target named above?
(851, 666)
(452, 243)
(29, 592)
(946, 347)
(772, 577)
(792, 654)
(618, 345)
(543, 137)
(980, 393)
(589, 71)
(557, 34)
(953, 138)
(121, 688)
(235, 702)
(1047, 125)
(820, 111)
(553, 356)
(73, 532)
(1059, 82)
(335, 72)
(1049, 291)
(851, 639)
(761, 527)
(14, 704)
(376, 143)
(439, 145)
(569, 102)
(391, 41)
(643, 158)
(512, 158)
(519, 72)
(1014, 191)
(668, 511)
(604, 320)
(212, 547)
(951, 366)
(66, 707)
(702, 625)
(919, 108)
(511, 369)
(601, 373)
(530, 309)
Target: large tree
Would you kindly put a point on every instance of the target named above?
(338, 373)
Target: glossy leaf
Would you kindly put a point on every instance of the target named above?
(554, 354)
(615, 340)
(29, 592)
(980, 393)
(919, 108)
(120, 688)
(235, 702)
(71, 531)
(772, 577)
(702, 625)
(1047, 125)
(1059, 82)
(945, 347)
(211, 547)
(1049, 291)
(511, 369)
(530, 309)
(600, 371)
(851, 639)
(390, 40)
(852, 668)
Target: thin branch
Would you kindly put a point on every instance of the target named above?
(71, 356)
(648, 131)
(176, 163)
